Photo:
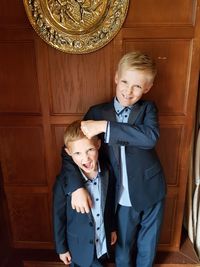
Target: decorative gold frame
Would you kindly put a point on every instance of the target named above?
(76, 26)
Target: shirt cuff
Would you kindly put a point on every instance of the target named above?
(107, 133)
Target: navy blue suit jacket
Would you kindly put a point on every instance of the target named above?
(75, 232)
(145, 174)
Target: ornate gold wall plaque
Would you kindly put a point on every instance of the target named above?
(76, 26)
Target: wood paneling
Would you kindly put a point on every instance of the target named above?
(29, 218)
(169, 220)
(72, 89)
(160, 12)
(18, 78)
(12, 14)
(57, 134)
(168, 145)
(23, 155)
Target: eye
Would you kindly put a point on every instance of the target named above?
(138, 86)
(77, 153)
(92, 149)
(124, 81)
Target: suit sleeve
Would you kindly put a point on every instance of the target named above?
(70, 170)
(144, 135)
(71, 173)
(59, 218)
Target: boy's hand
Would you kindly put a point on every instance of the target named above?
(113, 238)
(81, 200)
(91, 128)
(65, 257)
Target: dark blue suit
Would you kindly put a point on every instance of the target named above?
(75, 232)
(145, 176)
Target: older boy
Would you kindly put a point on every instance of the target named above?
(129, 127)
(82, 239)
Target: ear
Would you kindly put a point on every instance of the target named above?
(98, 143)
(116, 77)
(148, 88)
(68, 152)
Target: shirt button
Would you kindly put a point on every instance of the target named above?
(98, 215)
(97, 199)
(95, 183)
(125, 116)
(98, 228)
(97, 240)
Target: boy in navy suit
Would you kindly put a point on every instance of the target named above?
(129, 130)
(83, 239)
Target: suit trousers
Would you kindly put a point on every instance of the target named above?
(139, 229)
(95, 263)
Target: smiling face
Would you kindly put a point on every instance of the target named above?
(131, 85)
(84, 153)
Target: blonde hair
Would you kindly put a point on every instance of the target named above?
(138, 61)
(73, 133)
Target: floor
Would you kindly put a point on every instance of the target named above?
(186, 257)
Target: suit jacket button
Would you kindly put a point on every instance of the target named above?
(90, 223)
(91, 241)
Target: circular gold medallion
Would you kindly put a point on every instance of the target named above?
(76, 26)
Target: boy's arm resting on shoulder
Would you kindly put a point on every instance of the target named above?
(59, 217)
(81, 200)
(144, 135)
(71, 171)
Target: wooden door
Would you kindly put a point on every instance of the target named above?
(43, 89)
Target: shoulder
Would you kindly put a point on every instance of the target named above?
(148, 105)
(101, 106)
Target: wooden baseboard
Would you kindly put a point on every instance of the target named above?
(59, 264)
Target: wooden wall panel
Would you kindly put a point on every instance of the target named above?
(30, 218)
(169, 221)
(24, 158)
(57, 135)
(18, 78)
(160, 12)
(12, 14)
(171, 83)
(168, 145)
(72, 89)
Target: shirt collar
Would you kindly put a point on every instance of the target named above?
(86, 178)
(118, 107)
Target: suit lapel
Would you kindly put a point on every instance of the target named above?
(134, 113)
(109, 115)
(109, 112)
(104, 187)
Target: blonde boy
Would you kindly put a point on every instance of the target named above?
(82, 239)
(129, 129)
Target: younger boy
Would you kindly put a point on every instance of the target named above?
(129, 129)
(82, 239)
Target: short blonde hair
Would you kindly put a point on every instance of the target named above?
(73, 133)
(138, 61)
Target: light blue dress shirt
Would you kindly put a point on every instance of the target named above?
(94, 188)
(122, 115)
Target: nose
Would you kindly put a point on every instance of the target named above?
(130, 90)
(85, 157)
